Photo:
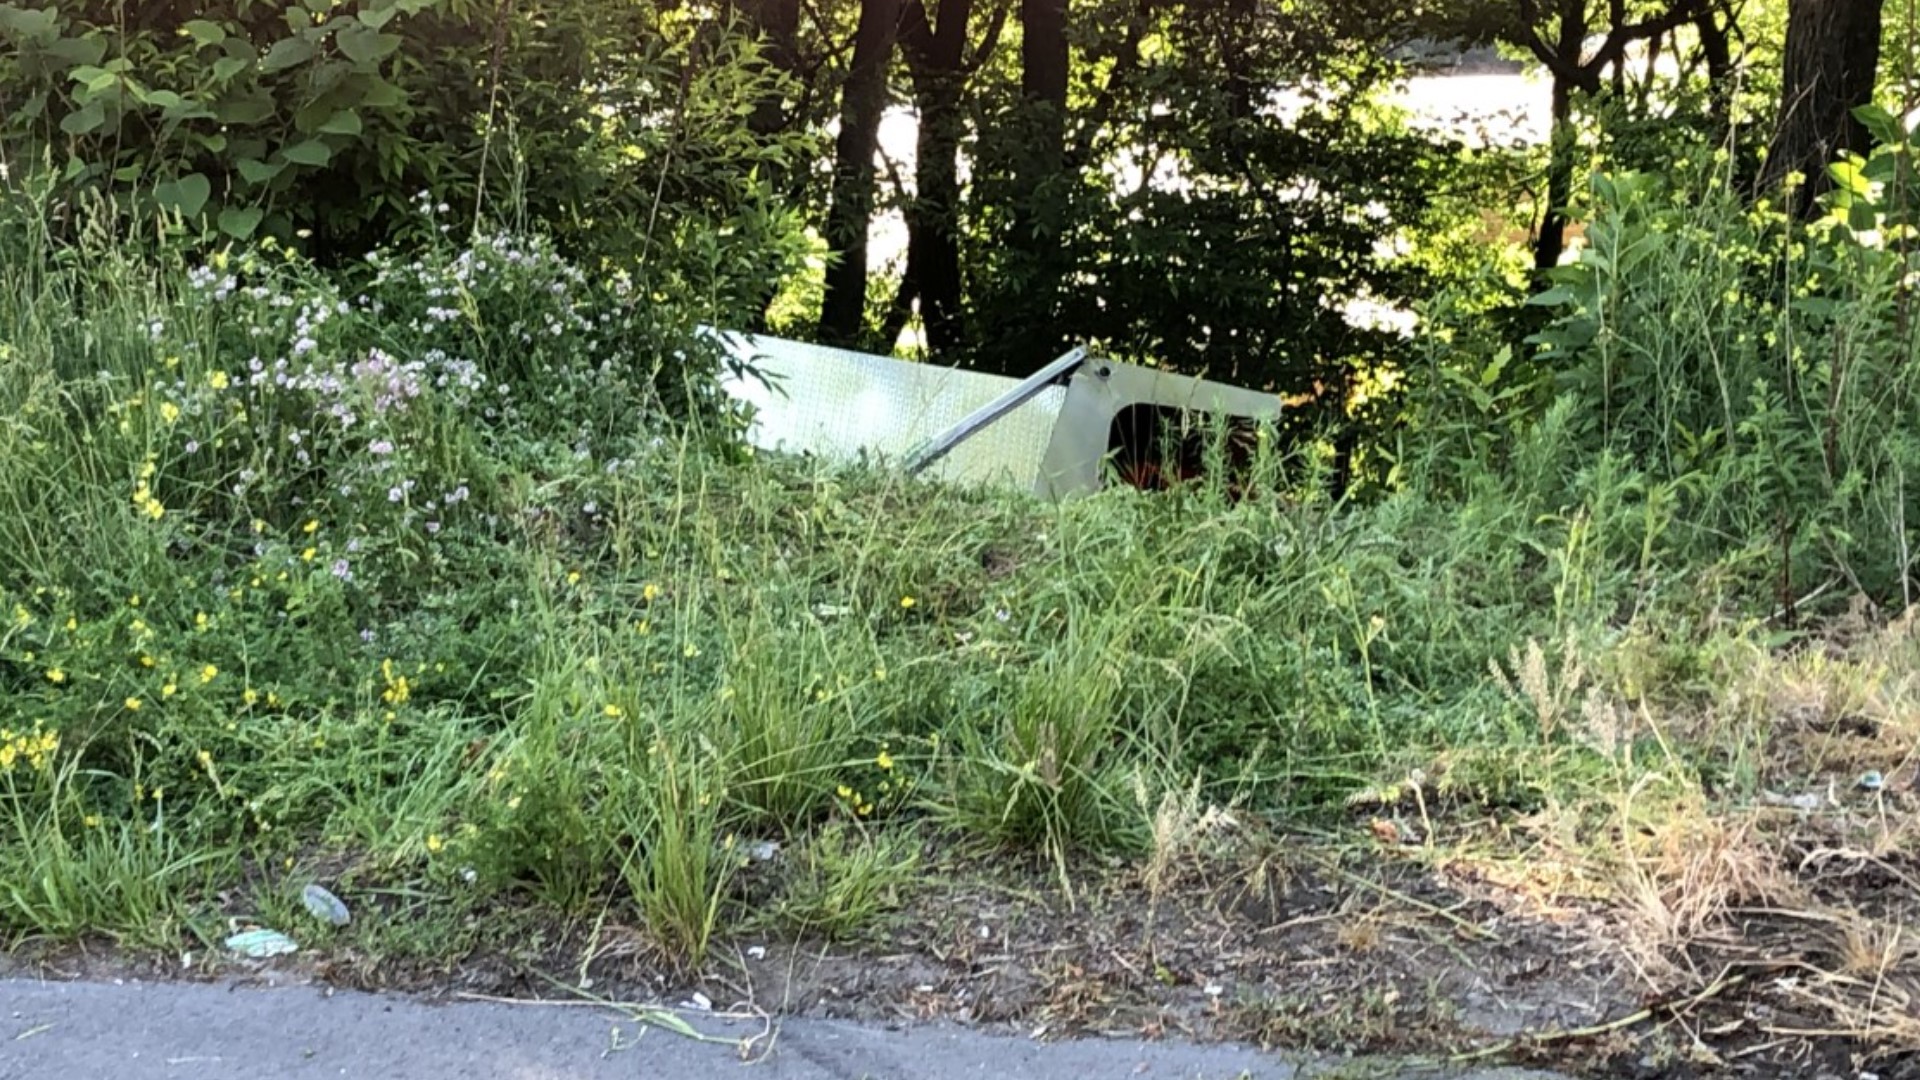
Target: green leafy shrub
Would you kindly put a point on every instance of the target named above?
(610, 124)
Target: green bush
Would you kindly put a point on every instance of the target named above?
(608, 124)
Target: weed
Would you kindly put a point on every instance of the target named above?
(845, 879)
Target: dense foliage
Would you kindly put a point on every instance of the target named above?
(367, 502)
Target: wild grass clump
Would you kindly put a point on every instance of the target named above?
(429, 573)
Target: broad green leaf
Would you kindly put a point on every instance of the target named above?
(327, 75)
(1880, 123)
(286, 53)
(344, 122)
(90, 48)
(381, 94)
(225, 68)
(240, 222)
(254, 171)
(205, 31)
(377, 17)
(165, 99)
(1847, 176)
(28, 22)
(85, 120)
(188, 194)
(240, 49)
(364, 45)
(251, 109)
(91, 77)
(216, 142)
(312, 152)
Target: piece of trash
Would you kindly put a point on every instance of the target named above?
(1392, 831)
(756, 952)
(1214, 989)
(261, 944)
(1872, 780)
(325, 906)
(700, 1001)
(830, 611)
(1806, 801)
(764, 851)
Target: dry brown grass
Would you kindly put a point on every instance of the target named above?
(1815, 892)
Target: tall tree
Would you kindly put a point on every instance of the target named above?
(1574, 71)
(1833, 53)
(935, 44)
(1044, 61)
(779, 22)
(863, 102)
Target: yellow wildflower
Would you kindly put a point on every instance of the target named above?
(250, 696)
(200, 621)
(208, 673)
(843, 791)
(218, 380)
(650, 592)
(907, 601)
(132, 704)
(91, 821)
(307, 555)
(169, 689)
(310, 527)
(55, 675)
(169, 412)
(614, 711)
(435, 844)
(885, 760)
(573, 577)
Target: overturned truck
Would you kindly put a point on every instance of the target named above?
(1064, 430)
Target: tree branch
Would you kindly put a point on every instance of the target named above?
(990, 41)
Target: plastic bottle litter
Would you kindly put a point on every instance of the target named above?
(325, 906)
(261, 944)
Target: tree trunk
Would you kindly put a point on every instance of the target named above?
(849, 214)
(1043, 85)
(1552, 241)
(935, 49)
(1833, 52)
(779, 21)
(933, 248)
(1716, 48)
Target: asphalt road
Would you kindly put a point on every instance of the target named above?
(167, 1031)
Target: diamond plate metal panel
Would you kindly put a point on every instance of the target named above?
(837, 404)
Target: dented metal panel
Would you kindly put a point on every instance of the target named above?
(1049, 434)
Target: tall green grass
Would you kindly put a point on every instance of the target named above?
(505, 648)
